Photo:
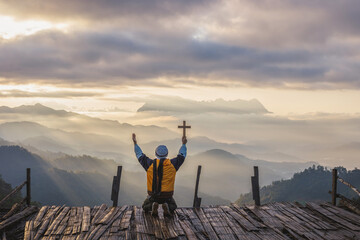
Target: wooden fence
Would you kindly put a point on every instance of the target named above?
(334, 194)
(27, 183)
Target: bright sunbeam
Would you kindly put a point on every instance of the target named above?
(10, 28)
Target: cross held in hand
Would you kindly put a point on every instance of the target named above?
(184, 127)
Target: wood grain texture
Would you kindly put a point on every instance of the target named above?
(271, 221)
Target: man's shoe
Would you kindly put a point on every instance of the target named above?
(166, 209)
(154, 209)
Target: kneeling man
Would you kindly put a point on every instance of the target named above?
(160, 177)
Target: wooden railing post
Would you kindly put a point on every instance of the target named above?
(255, 186)
(28, 186)
(116, 187)
(197, 200)
(334, 187)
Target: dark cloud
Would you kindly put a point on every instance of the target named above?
(115, 58)
(305, 44)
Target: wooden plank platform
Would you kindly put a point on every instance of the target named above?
(271, 221)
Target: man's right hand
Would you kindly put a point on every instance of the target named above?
(134, 138)
(184, 140)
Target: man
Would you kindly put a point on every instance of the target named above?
(160, 177)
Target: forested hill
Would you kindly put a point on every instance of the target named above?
(309, 185)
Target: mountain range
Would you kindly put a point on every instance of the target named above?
(60, 174)
(74, 156)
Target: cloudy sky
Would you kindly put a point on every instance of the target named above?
(293, 56)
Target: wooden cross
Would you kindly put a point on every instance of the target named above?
(184, 127)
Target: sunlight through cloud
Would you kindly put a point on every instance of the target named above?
(11, 28)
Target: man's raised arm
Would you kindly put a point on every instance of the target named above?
(179, 160)
(143, 159)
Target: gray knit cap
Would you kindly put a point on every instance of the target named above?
(161, 151)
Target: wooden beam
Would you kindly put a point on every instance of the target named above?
(18, 217)
(197, 200)
(28, 186)
(13, 192)
(14, 209)
(334, 187)
(349, 204)
(116, 187)
(349, 185)
(255, 186)
(113, 188)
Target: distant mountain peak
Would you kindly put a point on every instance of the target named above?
(181, 105)
(37, 108)
(219, 153)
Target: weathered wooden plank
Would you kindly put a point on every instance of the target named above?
(234, 224)
(85, 226)
(177, 227)
(195, 223)
(106, 235)
(72, 218)
(307, 225)
(300, 215)
(140, 225)
(349, 204)
(157, 226)
(266, 218)
(219, 223)
(185, 225)
(149, 223)
(104, 225)
(81, 235)
(115, 226)
(205, 222)
(94, 210)
(125, 221)
(14, 209)
(29, 230)
(172, 228)
(272, 227)
(46, 221)
(56, 222)
(78, 220)
(91, 230)
(282, 221)
(167, 229)
(18, 217)
(60, 229)
(99, 213)
(352, 217)
(246, 224)
(293, 224)
(113, 211)
(40, 215)
(253, 221)
(17, 189)
(333, 217)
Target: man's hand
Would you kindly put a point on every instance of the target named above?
(134, 138)
(184, 140)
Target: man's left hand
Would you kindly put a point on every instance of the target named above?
(184, 140)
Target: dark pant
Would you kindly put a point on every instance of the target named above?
(147, 205)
